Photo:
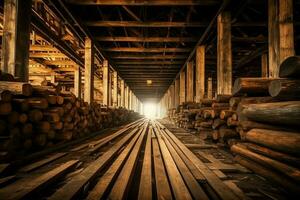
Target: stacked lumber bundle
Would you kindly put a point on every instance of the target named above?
(33, 117)
(269, 126)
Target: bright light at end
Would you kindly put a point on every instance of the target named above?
(150, 110)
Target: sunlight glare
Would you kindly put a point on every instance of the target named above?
(150, 110)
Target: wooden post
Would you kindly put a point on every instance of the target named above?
(264, 65)
(88, 71)
(130, 100)
(109, 87)
(200, 73)
(273, 38)
(172, 96)
(115, 91)
(224, 56)
(122, 93)
(286, 30)
(77, 82)
(182, 87)
(190, 81)
(105, 79)
(176, 96)
(126, 100)
(15, 39)
(209, 88)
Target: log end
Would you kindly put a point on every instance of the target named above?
(289, 66)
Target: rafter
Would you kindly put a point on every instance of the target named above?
(147, 50)
(144, 24)
(152, 57)
(148, 62)
(146, 39)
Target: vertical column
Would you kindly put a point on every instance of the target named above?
(126, 100)
(182, 87)
(172, 96)
(110, 75)
(209, 88)
(105, 79)
(122, 93)
(190, 81)
(176, 91)
(273, 38)
(77, 82)
(286, 29)
(115, 93)
(200, 73)
(88, 71)
(224, 56)
(264, 65)
(15, 39)
(130, 100)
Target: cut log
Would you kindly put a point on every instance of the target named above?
(5, 108)
(287, 142)
(224, 114)
(285, 89)
(218, 105)
(217, 123)
(39, 103)
(223, 98)
(247, 125)
(20, 104)
(290, 67)
(226, 133)
(251, 87)
(5, 96)
(269, 174)
(35, 115)
(285, 113)
(16, 88)
(289, 171)
(231, 122)
(42, 126)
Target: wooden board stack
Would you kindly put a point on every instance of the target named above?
(269, 125)
(34, 117)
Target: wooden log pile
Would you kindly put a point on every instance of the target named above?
(268, 126)
(33, 117)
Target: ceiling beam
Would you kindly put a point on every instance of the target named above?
(47, 55)
(160, 24)
(148, 67)
(42, 48)
(145, 50)
(152, 57)
(147, 62)
(146, 2)
(146, 39)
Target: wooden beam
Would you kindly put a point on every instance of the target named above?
(147, 62)
(149, 67)
(200, 73)
(190, 82)
(47, 55)
(159, 24)
(273, 38)
(77, 82)
(110, 94)
(182, 87)
(146, 39)
(42, 48)
(146, 2)
(126, 97)
(16, 34)
(115, 91)
(59, 62)
(145, 50)
(209, 88)
(89, 71)
(130, 100)
(177, 92)
(105, 78)
(264, 65)
(286, 30)
(150, 57)
(122, 93)
(224, 55)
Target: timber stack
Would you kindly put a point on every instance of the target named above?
(269, 125)
(33, 117)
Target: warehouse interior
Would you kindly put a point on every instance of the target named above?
(150, 99)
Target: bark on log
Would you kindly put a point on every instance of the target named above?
(224, 114)
(287, 142)
(16, 88)
(251, 87)
(290, 67)
(285, 89)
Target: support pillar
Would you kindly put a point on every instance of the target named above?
(89, 71)
(110, 77)
(209, 88)
(130, 100)
(122, 93)
(200, 73)
(224, 55)
(182, 87)
(126, 100)
(105, 84)
(264, 65)
(77, 82)
(190, 81)
(172, 96)
(176, 91)
(115, 91)
(15, 39)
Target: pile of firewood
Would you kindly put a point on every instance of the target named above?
(184, 115)
(269, 124)
(33, 117)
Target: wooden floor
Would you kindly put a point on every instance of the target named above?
(143, 160)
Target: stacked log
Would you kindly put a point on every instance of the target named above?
(33, 117)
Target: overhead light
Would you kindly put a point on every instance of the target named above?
(149, 82)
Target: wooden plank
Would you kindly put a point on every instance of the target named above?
(89, 71)
(6, 180)
(179, 188)
(110, 175)
(200, 146)
(163, 190)
(220, 174)
(194, 187)
(236, 189)
(120, 188)
(200, 73)
(40, 163)
(220, 188)
(74, 186)
(145, 188)
(224, 54)
(190, 82)
(26, 187)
